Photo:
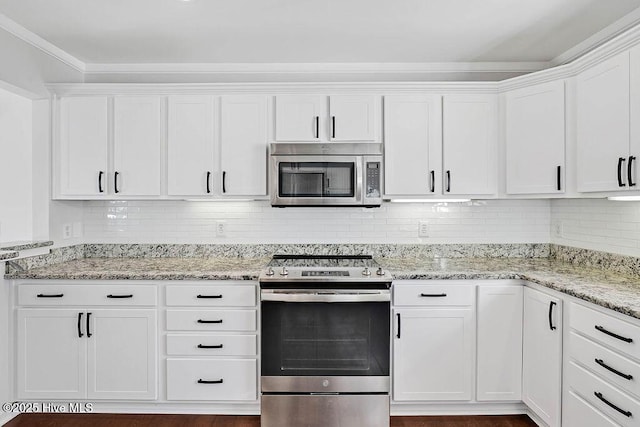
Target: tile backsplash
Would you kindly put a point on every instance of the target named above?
(597, 224)
(491, 221)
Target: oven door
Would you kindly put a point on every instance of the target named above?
(316, 341)
(316, 180)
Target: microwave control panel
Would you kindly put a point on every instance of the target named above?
(373, 189)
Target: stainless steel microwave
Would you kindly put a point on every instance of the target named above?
(335, 174)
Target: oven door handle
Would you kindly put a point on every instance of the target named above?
(325, 296)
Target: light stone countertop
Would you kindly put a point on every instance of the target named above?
(607, 289)
(8, 255)
(24, 245)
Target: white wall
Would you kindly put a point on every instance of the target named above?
(15, 167)
(597, 224)
(515, 221)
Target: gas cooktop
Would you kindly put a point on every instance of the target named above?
(314, 270)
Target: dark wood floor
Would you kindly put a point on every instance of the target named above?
(113, 420)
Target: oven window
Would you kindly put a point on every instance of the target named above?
(325, 338)
(316, 179)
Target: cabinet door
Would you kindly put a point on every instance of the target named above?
(499, 342)
(301, 117)
(542, 355)
(122, 354)
(412, 145)
(535, 139)
(51, 356)
(243, 139)
(137, 134)
(82, 148)
(190, 154)
(352, 117)
(469, 141)
(433, 354)
(603, 124)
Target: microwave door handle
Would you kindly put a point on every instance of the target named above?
(359, 198)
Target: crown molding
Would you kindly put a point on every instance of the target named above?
(317, 68)
(35, 40)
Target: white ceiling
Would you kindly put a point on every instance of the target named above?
(312, 31)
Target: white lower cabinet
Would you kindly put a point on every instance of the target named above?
(542, 355)
(212, 352)
(86, 353)
(579, 413)
(433, 353)
(499, 357)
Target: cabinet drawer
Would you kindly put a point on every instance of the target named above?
(406, 293)
(609, 330)
(197, 379)
(211, 320)
(603, 396)
(212, 295)
(83, 295)
(577, 412)
(605, 363)
(211, 345)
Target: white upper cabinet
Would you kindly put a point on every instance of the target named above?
(469, 138)
(83, 146)
(412, 145)
(603, 126)
(352, 117)
(535, 139)
(318, 118)
(137, 146)
(244, 135)
(190, 150)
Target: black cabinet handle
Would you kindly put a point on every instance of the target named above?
(433, 181)
(630, 170)
(209, 321)
(398, 316)
(333, 126)
(551, 304)
(448, 181)
(611, 334)
(50, 295)
(317, 126)
(120, 296)
(621, 160)
(220, 381)
(433, 295)
(210, 346)
(622, 411)
(558, 174)
(89, 325)
(224, 181)
(208, 182)
(209, 296)
(115, 182)
(615, 371)
(80, 325)
(100, 189)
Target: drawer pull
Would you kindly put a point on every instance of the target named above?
(615, 371)
(209, 296)
(209, 321)
(611, 334)
(120, 296)
(220, 381)
(50, 295)
(433, 295)
(622, 411)
(210, 346)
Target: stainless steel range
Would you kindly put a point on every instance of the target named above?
(325, 342)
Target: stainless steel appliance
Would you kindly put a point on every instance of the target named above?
(336, 174)
(325, 342)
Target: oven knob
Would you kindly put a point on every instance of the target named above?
(270, 272)
(366, 272)
(380, 271)
(325, 383)
(284, 271)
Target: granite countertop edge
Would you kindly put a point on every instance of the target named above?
(4, 255)
(25, 245)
